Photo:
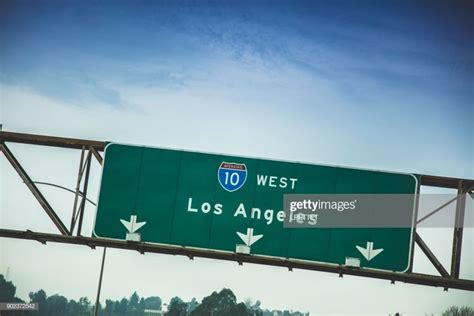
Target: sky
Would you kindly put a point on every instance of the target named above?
(383, 85)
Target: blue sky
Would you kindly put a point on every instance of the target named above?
(389, 72)
(420, 50)
(360, 49)
(372, 84)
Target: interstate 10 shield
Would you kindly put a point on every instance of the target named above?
(232, 176)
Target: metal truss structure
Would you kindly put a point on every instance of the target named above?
(72, 234)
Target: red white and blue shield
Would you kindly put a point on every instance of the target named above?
(231, 175)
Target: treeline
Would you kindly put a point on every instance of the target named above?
(221, 303)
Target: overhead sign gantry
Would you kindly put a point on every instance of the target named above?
(228, 177)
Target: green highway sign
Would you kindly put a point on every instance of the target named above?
(235, 204)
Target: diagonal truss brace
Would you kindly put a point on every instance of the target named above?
(437, 209)
(38, 195)
(430, 255)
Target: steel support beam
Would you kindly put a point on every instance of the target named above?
(50, 141)
(84, 193)
(96, 154)
(38, 195)
(415, 278)
(430, 255)
(78, 187)
(443, 182)
(458, 230)
(99, 146)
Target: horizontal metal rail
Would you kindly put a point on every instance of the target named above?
(50, 141)
(428, 180)
(415, 278)
(444, 182)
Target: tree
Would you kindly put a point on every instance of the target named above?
(142, 306)
(109, 308)
(153, 302)
(56, 305)
(132, 308)
(7, 291)
(238, 310)
(7, 294)
(192, 305)
(459, 311)
(177, 307)
(254, 309)
(122, 307)
(84, 302)
(40, 298)
(80, 308)
(221, 304)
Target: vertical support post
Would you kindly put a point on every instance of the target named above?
(96, 309)
(78, 186)
(458, 231)
(84, 193)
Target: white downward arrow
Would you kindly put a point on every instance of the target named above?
(132, 226)
(249, 238)
(369, 252)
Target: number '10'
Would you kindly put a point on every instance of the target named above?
(234, 178)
